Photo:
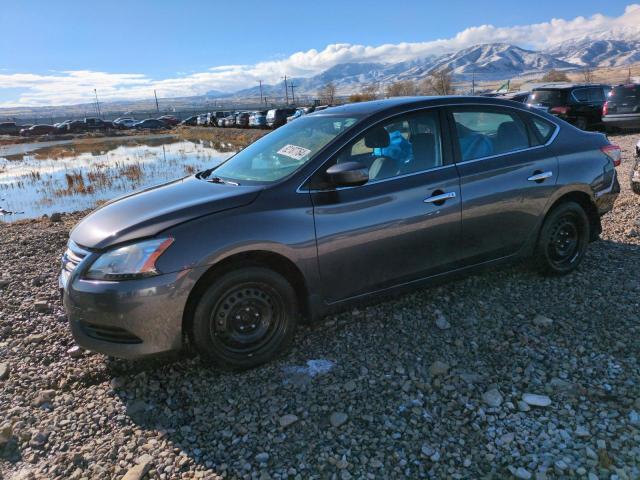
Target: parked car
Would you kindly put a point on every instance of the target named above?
(635, 173)
(278, 116)
(216, 117)
(34, 130)
(150, 124)
(299, 112)
(92, 123)
(229, 120)
(579, 104)
(76, 126)
(169, 120)
(242, 120)
(190, 121)
(358, 201)
(124, 122)
(622, 108)
(10, 128)
(62, 127)
(203, 120)
(258, 119)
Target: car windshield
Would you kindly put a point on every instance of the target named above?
(284, 151)
(546, 97)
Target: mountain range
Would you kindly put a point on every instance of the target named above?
(495, 61)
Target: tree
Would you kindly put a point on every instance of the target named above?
(367, 92)
(555, 76)
(327, 93)
(587, 74)
(401, 88)
(438, 82)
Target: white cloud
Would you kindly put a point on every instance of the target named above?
(59, 88)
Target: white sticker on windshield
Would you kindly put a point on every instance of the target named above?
(293, 151)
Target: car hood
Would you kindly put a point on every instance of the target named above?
(147, 212)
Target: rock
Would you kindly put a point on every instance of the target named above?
(523, 406)
(427, 450)
(42, 306)
(6, 431)
(38, 440)
(560, 384)
(287, 420)
(75, 352)
(4, 282)
(492, 397)
(522, 473)
(441, 321)
(337, 419)
(138, 471)
(55, 217)
(542, 321)
(535, 400)
(592, 476)
(438, 368)
(262, 457)
(44, 396)
(4, 371)
(634, 417)
(582, 432)
(590, 452)
(35, 338)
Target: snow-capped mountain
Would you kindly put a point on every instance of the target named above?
(597, 53)
(495, 61)
(498, 59)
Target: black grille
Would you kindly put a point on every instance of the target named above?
(108, 333)
(72, 256)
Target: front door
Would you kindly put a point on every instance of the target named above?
(403, 224)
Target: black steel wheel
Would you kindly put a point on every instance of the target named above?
(563, 239)
(245, 318)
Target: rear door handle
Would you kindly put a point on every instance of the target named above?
(441, 198)
(540, 176)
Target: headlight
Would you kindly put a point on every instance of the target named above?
(128, 262)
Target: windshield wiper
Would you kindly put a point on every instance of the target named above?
(220, 180)
(205, 174)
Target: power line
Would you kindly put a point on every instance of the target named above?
(97, 103)
(261, 97)
(293, 98)
(286, 90)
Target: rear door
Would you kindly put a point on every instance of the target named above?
(404, 223)
(507, 174)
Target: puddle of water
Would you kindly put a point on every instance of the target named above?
(37, 179)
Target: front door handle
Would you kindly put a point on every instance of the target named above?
(440, 198)
(540, 177)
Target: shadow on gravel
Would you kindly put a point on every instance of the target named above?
(379, 402)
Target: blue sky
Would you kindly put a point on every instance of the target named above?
(187, 47)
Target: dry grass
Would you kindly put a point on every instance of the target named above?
(223, 139)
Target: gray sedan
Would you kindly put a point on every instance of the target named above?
(338, 207)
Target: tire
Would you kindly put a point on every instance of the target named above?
(255, 311)
(563, 239)
(582, 123)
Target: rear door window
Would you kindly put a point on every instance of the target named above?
(626, 93)
(549, 98)
(484, 132)
(581, 95)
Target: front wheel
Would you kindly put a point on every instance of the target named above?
(563, 239)
(245, 318)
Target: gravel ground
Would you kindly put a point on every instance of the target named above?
(501, 374)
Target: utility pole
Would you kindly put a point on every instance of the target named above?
(629, 77)
(97, 103)
(157, 106)
(473, 83)
(286, 90)
(293, 98)
(261, 97)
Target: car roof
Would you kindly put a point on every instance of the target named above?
(361, 109)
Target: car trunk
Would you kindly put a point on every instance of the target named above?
(625, 99)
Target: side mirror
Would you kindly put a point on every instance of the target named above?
(348, 174)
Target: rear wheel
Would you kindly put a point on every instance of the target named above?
(245, 318)
(582, 123)
(563, 239)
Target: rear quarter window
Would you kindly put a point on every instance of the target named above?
(543, 128)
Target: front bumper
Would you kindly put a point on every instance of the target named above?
(128, 319)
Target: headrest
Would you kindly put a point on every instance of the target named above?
(378, 137)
